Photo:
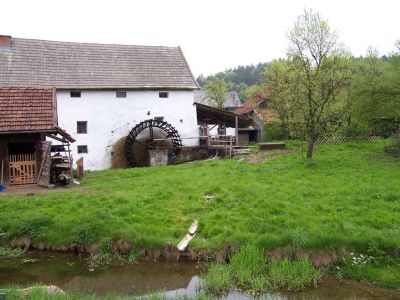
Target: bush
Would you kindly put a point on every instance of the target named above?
(394, 147)
(354, 130)
(385, 126)
(273, 132)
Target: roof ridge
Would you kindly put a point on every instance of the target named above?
(94, 44)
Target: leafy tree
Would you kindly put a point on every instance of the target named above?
(279, 92)
(238, 79)
(375, 89)
(320, 67)
(215, 91)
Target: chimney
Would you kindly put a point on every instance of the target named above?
(5, 41)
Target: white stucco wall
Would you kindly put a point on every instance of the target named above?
(106, 113)
(229, 130)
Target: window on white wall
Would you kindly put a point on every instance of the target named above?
(163, 95)
(82, 149)
(120, 94)
(75, 94)
(81, 127)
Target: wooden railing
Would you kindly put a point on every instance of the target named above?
(22, 168)
(226, 142)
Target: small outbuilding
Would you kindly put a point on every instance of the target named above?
(28, 116)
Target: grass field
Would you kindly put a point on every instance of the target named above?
(348, 197)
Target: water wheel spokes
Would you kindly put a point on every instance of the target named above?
(151, 135)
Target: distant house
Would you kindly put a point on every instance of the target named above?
(258, 110)
(28, 117)
(232, 100)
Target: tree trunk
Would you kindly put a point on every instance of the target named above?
(310, 149)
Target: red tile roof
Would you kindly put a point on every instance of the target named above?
(248, 106)
(27, 109)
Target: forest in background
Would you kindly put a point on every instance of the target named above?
(372, 93)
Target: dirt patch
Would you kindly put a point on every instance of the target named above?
(32, 189)
(262, 156)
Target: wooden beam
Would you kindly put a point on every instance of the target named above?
(237, 130)
(62, 140)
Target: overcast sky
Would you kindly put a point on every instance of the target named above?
(214, 34)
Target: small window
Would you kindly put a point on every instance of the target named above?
(82, 149)
(81, 127)
(163, 94)
(120, 94)
(75, 94)
(159, 118)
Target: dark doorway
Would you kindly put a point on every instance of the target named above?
(21, 148)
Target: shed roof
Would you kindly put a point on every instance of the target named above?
(27, 109)
(249, 106)
(67, 65)
(210, 115)
(232, 99)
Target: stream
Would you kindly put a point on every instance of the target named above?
(72, 273)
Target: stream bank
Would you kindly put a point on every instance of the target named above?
(73, 274)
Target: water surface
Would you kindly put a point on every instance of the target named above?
(71, 273)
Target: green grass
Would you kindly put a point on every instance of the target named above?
(293, 275)
(217, 280)
(247, 264)
(248, 270)
(38, 293)
(383, 272)
(349, 196)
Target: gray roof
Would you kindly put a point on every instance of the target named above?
(65, 65)
(232, 99)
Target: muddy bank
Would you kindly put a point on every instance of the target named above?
(169, 252)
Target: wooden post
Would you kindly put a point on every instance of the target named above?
(80, 170)
(230, 146)
(237, 130)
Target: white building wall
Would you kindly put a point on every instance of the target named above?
(110, 118)
(229, 130)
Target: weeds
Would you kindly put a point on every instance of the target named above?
(218, 279)
(382, 271)
(6, 252)
(246, 264)
(249, 271)
(293, 275)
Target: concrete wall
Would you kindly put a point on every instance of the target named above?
(110, 118)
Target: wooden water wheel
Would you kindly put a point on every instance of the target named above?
(151, 135)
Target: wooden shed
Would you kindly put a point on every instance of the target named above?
(28, 116)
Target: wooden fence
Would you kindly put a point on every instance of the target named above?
(344, 139)
(22, 168)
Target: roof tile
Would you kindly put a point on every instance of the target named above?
(66, 65)
(26, 109)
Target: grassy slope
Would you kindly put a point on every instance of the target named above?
(349, 197)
